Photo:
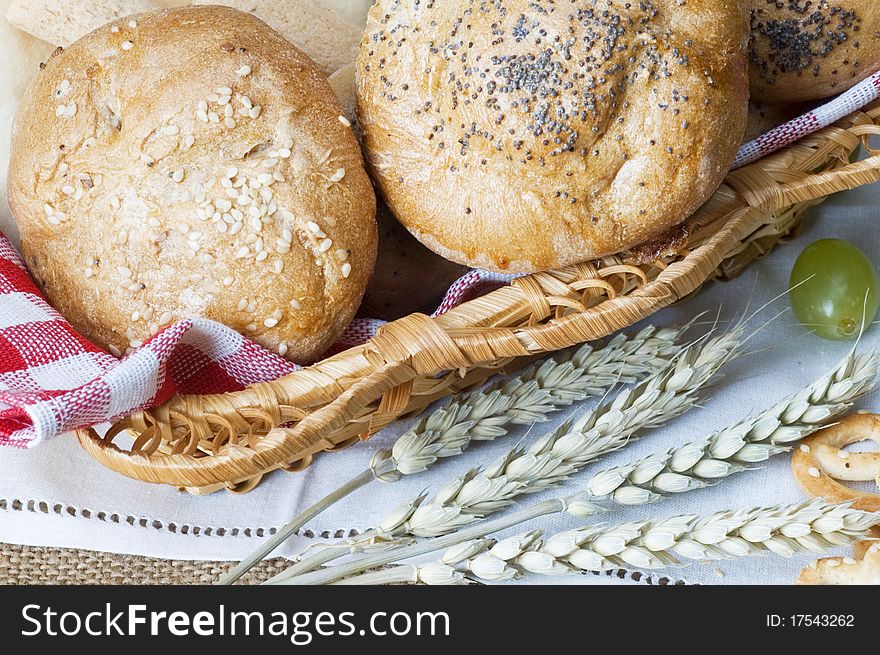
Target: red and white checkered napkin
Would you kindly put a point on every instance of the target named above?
(53, 380)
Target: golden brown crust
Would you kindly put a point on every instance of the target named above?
(817, 461)
(810, 49)
(529, 135)
(123, 182)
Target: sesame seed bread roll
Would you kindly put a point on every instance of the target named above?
(321, 33)
(191, 162)
(61, 22)
(528, 135)
(810, 49)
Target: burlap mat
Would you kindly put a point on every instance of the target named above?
(38, 565)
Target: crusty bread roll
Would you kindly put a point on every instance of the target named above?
(321, 33)
(191, 162)
(353, 10)
(61, 22)
(408, 277)
(524, 135)
(810, 49)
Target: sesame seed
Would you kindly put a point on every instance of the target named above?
(252, 327)
(224, 91)
(135, 343)
(148, 313)
(245, 70)
(246, 101)
(59, 110)
(345, 121)
(296, 304)
(284, 153)
(177, 175)
(222, 227)
(202, 116)
(231, 172)
(228, 111)
(165, 318)
(183, 227)
(124, 271)
(68, 190)
(341, 254)
(244, 251)
(346, 270)
(132, 23)
(228, 280)
(314, 227)
(814, 472)
(255, 111)
(144, 157)
(338, 175)
(270, 322)
(135, 316)
(270, 162)
(127, 45)
(242, 304)
(325, 245)
(278, 266)
(262, 255)
(196, 277)
(251, 307)
(213, 117)
(282, 348)
(114, 29)
(224, 100)
(235, 228)
(170, 130)
(202, 105)
(229, 122)
(89, 272)
(805, 448)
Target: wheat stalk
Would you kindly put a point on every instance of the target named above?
(566, 450)
(554, 456)
(813, 526)
(542, 388)
(786, 422)
(528, 398)
(741, 445)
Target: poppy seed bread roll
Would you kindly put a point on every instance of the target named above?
(533, 134)
(810, 49)
(192, 163)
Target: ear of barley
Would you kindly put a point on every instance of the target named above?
(741, 445)
(810, 527)
(542, 388)
(564, 451)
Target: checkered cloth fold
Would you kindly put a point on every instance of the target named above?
(53, 380)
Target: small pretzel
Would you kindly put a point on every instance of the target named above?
(844, 570)
(862, 547)
(819, 459)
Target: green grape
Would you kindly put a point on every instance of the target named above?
(834, 285)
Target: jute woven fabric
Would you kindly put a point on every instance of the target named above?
(20, 565)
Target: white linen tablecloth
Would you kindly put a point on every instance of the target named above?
(56, 495)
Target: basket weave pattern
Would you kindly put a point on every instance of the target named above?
(231, 440)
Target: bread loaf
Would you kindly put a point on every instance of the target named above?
(527, 135)
(192, 162)
(321, 33)
(61, 22)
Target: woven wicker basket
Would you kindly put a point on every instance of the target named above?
(205, 443)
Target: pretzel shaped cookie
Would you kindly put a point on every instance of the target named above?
(844, 570)
(820, 461)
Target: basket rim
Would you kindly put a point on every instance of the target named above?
(465, 337)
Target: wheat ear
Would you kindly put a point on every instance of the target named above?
(555, 456)
(542, 388)
(743, 444)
